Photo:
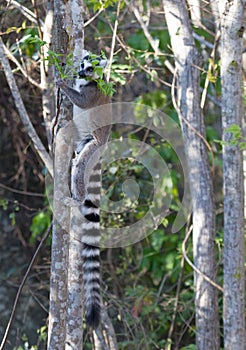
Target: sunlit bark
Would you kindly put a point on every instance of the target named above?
(187, 77)
(232, 114)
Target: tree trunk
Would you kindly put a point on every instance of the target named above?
(74, 332)
(187, 61)
(60, 239)
(232, 114)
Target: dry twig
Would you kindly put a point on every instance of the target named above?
(193, 266)
(116, 23)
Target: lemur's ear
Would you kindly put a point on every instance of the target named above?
(85, 53)
(103, 63)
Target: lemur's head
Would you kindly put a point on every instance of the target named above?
(91, 66)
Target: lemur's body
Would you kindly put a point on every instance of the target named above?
(93, 129)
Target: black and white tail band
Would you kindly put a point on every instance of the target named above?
(91, 251)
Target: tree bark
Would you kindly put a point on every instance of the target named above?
(74, 331)
(187, 62)
(215, 10)
(61, 213)
(195, 12)
(46, 73)
(232, 114)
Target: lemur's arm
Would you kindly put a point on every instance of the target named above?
(83, 98)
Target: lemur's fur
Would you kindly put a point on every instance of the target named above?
(94, 134)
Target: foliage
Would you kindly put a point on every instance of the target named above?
(235, 137)
(28, 44)
(42, 336)
(13, 211)
(40, 223)
(103, 4)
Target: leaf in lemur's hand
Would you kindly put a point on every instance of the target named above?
(106, 88)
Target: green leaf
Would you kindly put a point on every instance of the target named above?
(138, 41)
(12, 217)
(235, 130)
(99, 71)
(11, 29)
(157, 239)
(4, 203)
(105, 88)
(211, 77)
(242, 145)
(40, 224)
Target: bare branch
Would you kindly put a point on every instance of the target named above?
(206, 84)
(193, 266)
(186, 121)
(46, 73)
(202, 40)
(22, 111)
(25, 11)
(113, 41)
(19, 66)
(93, 17)
(25, 193)
(109, 330)
(149, 37)
(195, 12)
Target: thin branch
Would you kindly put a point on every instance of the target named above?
(22, 111)
(212, 56)
(99, 337)
(175, 309)
(34, 3)
(19, 66)
(176, 304)
(202, 40)
(6, 333)
(212, 98)
(116, 23)
(195, 12)
(92, 18)
(186, 326)
(147, 70)
(108, 329)
(193, 266)
(25, 193)
(22, 205)
(153, 43)
(25, 11)
(186, 121)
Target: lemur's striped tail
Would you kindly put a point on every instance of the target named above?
(91, 250)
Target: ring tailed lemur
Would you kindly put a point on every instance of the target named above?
(95, 127)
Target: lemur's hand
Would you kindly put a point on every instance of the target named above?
(60, 83)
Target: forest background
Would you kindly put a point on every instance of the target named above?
(149, 289)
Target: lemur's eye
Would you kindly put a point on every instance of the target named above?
(82, 65)
(89, 69)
